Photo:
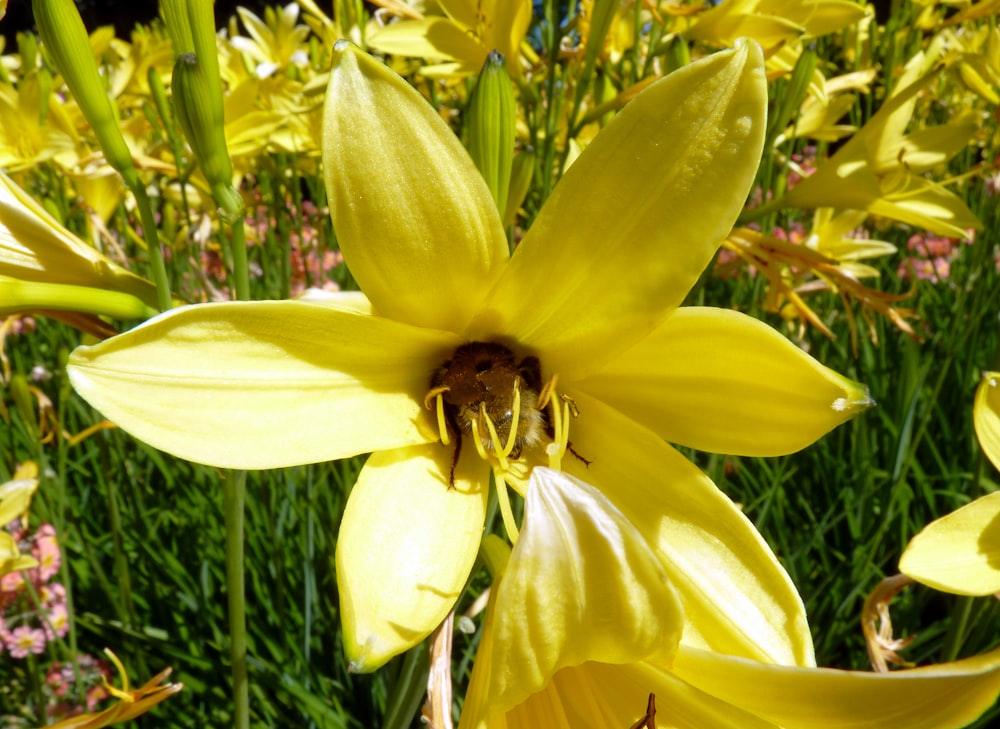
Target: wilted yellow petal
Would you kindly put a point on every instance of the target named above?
(647, 203)
(944, 696)
(986, 416)
(578, 566)
(960, 552)
(724, 382)
(414, 218)
(407, 544)
(736, 597)
(265, 384)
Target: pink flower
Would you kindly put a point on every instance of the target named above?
(46, 551)
(56, 622)
(24, 640)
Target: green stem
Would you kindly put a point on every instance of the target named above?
(157, 267)
(234, 499)
(241, 267)
(957, 629)
(750, 216)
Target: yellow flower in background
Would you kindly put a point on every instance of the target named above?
(773, 23)
(960, 552)
(15, 498)
(276, 42)
(462, 36)
(880, 169)
(584, 315)
(547, 657)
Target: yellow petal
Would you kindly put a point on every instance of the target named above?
(429, 37)
(412, 214)
(644, 207)
(944, 696)
(35, 247)
(265, 384)
(960, 552)
(986, 416)
(736, 597)
(15, 497)
(578, 568)
(721, 381)
(407, 544)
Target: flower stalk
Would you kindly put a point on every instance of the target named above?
(65, 38)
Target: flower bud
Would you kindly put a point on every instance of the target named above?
(67, 43)
(200, 114)
(492, 120)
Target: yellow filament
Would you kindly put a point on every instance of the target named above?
(515, 416)
(547, 391)
(478, 440)
(435, 394)
(560, 431)
(494, 437)
(503, 499)
(442, 425)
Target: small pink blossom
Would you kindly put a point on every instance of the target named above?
(24, 640)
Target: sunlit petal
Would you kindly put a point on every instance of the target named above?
(735, 595)
(265, 384)
(647, 203)
(960, 552)
(414, 218)
(430, 37)
(720, 381)
(986, 416)
(407, 544)
(943, 696)
(578, 568)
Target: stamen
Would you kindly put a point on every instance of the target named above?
(560, 430)
(515, 416)
(547, 390)
(473, 422)
(436, 394)
(503, 499)
(442, 424)
(494, 437)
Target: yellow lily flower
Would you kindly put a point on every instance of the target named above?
(880, 169)
(276, 42)
(960, 552)
(590, 297)
(547, 657)
(773, 22)
(463, 36)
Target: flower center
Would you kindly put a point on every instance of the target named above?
(484, 392)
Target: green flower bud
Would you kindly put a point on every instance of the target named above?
(200, 114)
(67, 43)
(175, 17)
(492, 119)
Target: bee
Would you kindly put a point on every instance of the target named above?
(479, 382)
